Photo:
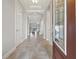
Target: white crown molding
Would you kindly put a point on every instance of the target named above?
(35, 11)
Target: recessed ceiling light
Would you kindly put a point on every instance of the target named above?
(35, 1)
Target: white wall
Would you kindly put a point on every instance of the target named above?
(13, 25)
(8, 25)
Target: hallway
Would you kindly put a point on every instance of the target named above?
(33, 48)
(38, 29)
(30, 29)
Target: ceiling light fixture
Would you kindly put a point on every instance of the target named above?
(35, 1)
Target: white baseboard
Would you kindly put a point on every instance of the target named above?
(18, 43)
(10, 52)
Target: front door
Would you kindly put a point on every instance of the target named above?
(71, 35)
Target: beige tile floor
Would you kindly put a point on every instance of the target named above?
(33, 48)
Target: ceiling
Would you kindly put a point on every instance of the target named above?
(35, 18)
(35, 10)
(37, 6)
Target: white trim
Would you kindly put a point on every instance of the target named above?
(15, 22)
(17, 44)
(65, 30)
(60, 47)
(12, 50)
(9, 53)
(35, 10)
(53, 20)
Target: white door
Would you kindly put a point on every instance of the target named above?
(18, 29)
(18, 22)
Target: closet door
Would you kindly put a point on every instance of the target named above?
(64, 45)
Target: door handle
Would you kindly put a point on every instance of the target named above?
(17, 30)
